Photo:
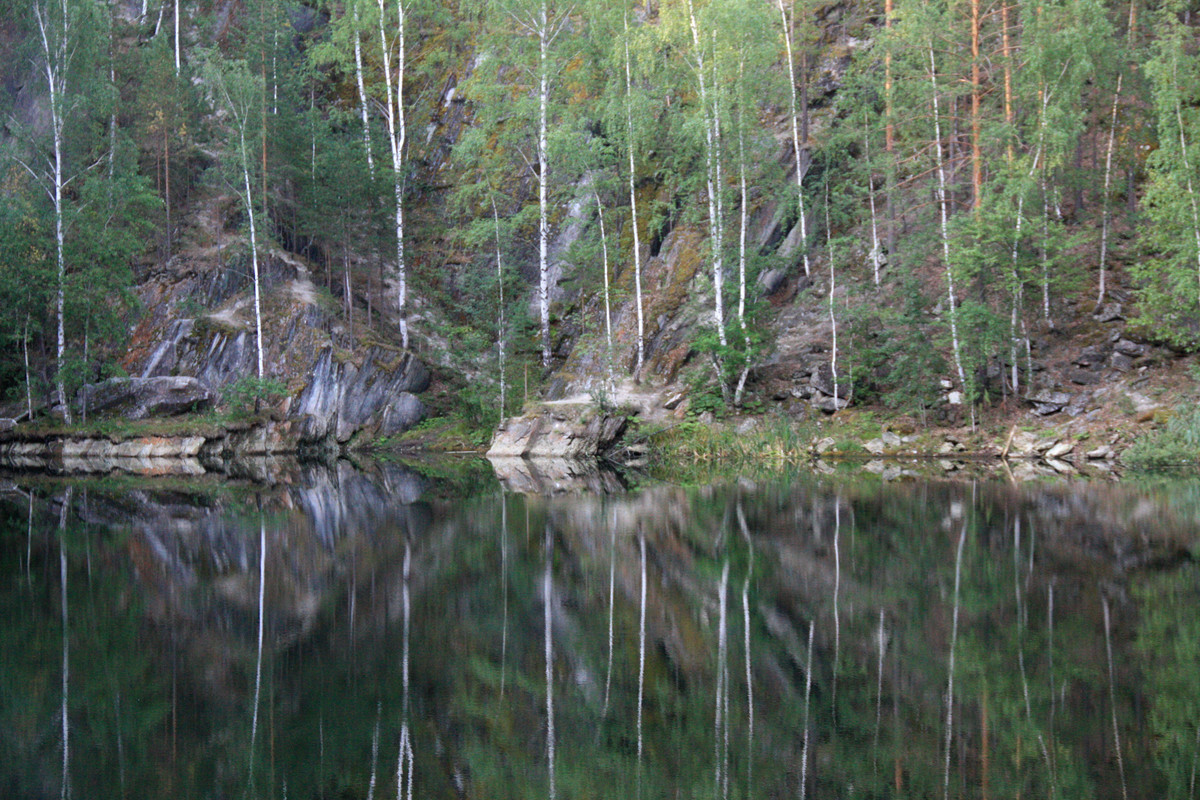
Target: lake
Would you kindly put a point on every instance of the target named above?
(375, 631)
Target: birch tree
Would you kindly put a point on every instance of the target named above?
(237, 91)
(1170, 293)
(517, 105)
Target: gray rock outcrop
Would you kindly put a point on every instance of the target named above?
(138, 398)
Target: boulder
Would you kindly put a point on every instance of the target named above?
(1059, 450)
(1093, 356)
(1083, 377)
(1111, 312)
(771, 280)
(1128, 348)
(138, 398)
(7, 424)
(1049, 402)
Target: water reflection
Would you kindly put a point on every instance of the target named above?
(345, 633)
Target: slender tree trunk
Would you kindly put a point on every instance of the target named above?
(833, 352)
(876, 256)
(889, 133)
(57, 57)
(397, 135)
(544, 39)
(945, 223)
(743, 226)
(608, 340)
(28, 382)
(500, 333)
(796, 142)
(1107, 213)
(362, 95)
(976, 97)
(178, 61)
(258, 343)
(633, 209)
(712, 172)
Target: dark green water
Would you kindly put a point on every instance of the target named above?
(967, 640)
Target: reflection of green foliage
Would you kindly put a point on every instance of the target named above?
(1169, 642)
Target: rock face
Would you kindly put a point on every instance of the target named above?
(341, 399)
(337, 387)
(138, 398)
(558, 431)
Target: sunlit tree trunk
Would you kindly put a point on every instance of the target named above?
(1112, 696)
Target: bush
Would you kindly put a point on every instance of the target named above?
(1178, 443)
(245, 394)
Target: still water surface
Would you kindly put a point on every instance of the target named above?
(351, 634)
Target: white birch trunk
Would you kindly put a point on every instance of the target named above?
(57, 56)
(249, 202)
(833, 352)
(743, 226)
(544, 38)
(1105, 219)
(500, 354)
(945, 224)
(608, 340)
(711, 175)
(876, 255)
(397, 134)
(633, 209)
(796, 144)
(178, 61)
(362, 95)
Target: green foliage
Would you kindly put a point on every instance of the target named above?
(248, 392)
(1177, 444)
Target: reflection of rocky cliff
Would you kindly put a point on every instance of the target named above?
(734, 579)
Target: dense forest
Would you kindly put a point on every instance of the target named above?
(956, 173)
